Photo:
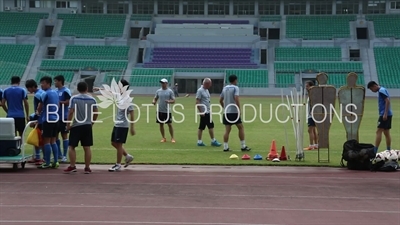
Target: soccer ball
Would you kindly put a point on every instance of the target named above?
(379, 157)
(393, 156)
(398, 154)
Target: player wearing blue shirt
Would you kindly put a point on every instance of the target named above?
(48, 111)
(385, 114)
(1, 95)
(13, 102)
(32, 87)
(64, 95)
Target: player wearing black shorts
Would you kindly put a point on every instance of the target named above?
(229, 100)
(83, 111)
(166, 97)
(203, 101)
(385, 115)
(120, 133)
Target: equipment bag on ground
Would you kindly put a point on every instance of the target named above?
(357, 155)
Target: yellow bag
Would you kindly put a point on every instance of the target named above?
(33, 138)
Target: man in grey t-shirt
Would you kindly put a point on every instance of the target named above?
(164, 115)
(203, 100)
(83, 108)
(230, 102)
(120, 133)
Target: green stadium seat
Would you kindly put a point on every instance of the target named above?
(110, 75)
(308, 54)
(285, 80)
(96, 52)
(92, 26)
(141, 17)
(68, 75)
(16, 23)
(387, 61)
(270, 18)
(13, 60)
(149, 77)
(198, 70)
(250, 78)
(293, 67)
(386, 25)
(319, 27)
(52, 64)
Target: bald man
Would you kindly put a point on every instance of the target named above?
(203, 106)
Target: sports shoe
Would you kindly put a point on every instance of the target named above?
(201, 144)
(39, 162)
(173, 140)
(55, 165)
(88, 170)
(44, 166)
(163, 140)
(128, 160)
(64, 159)
(245, 149)
(115, 168)
(226, 150)
(70, 169)
(215, 143)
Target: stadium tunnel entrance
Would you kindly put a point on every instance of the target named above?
(89, 76)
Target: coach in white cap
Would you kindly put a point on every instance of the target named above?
(164, 115)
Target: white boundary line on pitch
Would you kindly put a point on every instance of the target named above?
(128, 222)
(200, 207)
(206, 195)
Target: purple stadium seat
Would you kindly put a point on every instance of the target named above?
(206, 21)
(167, 57)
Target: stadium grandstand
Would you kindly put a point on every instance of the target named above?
(268, 44)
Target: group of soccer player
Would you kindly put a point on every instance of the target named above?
(55, 109)
(229, 100)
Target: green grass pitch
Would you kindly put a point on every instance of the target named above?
(147, 149)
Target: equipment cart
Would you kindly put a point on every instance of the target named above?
(12, 148)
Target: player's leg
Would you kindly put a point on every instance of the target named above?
(379, 131)
(86, 140)
(161, 120)
(315, 135)
(243, 145)
(228, 126)
(20, 126)
(386, 132)
(210, 126)
(118, 139)
(47, 135)
(73, 143)
(200, 130)
(170, 127)
(54, 147)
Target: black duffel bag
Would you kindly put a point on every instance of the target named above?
(357, 155)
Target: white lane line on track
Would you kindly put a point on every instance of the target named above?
(213, 195)
(203, 208)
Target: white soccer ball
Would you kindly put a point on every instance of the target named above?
(393, 156)
(398, 154)
(379, 157)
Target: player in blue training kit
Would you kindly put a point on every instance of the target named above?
(1, 95)
(64, 95)
(32, 87)
(48, 110)
(14, 100)
(385, 115)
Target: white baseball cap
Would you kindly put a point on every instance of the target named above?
(163, 80)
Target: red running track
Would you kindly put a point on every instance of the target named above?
(197, 195)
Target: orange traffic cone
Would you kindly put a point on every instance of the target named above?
(272, 151)
(283, 156)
